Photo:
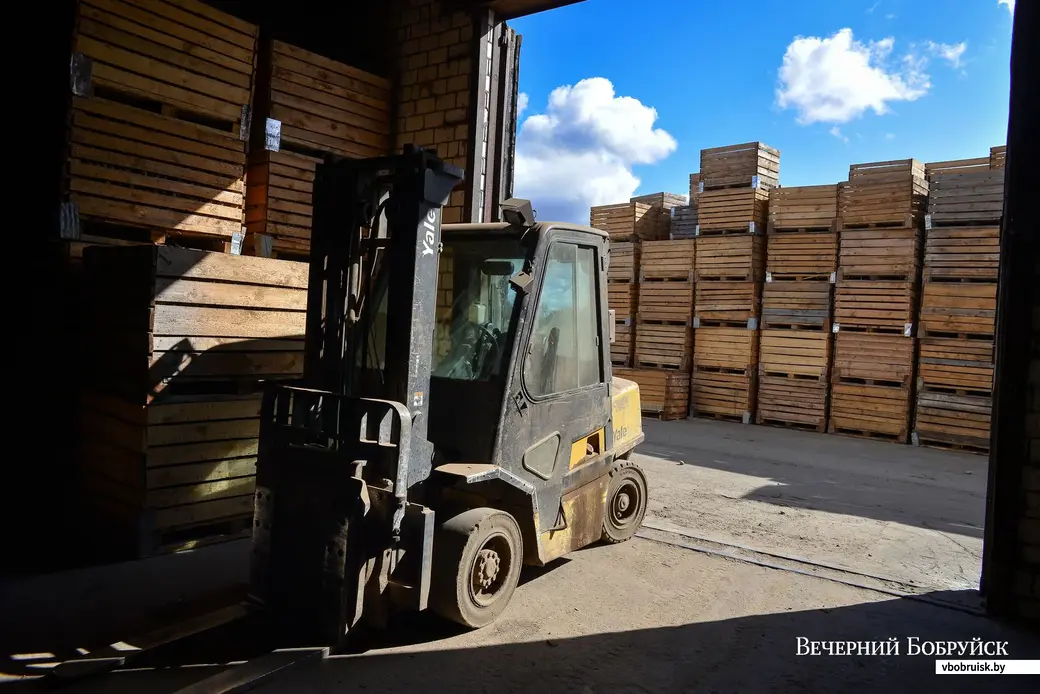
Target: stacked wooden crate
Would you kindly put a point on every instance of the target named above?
(626, 221)
(997, 155)
(958, 306)
(307, 107)
(622, 287)
(881, 213)
(159, 122)
(181, 341)
(661, 206)
(795, 349)
(683, 222)
(664, 330)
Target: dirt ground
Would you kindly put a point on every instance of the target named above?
(666, 612)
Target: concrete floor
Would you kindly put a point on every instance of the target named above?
(646, 616)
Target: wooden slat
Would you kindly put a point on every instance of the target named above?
(797, 304)
(738, 164)
(956, 253)
(280, 183)
(871, 411)
(959, 198)
(803, 208)
(728, 395)
(629, 221)
(729, 302)
(683, 223)
(792, 402)
(863, 357)
(662, 392)
(664, 346)
(951, 364)
(879, 253)
(621, 297)
(802, 255)
(669, 300)
(734, 210)
(958, 307)
(953, 421)
(624, 262)
(732, 258)
(879, 193)
(732, 349)
(667, 259)
(886, 305)
(795, 353)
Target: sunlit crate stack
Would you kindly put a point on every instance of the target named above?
(997, 156)
(626, 221)
(307, 107)
(795, 343)
(159, 123)
(661, 206)
(881, 213)
(622, 297)
(181, 342)
(958, 305)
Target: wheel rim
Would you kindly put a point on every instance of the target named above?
(490, 571)
(625, 504)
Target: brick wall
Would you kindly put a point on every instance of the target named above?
(434, 99)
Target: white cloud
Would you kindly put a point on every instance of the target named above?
(521, 105)
(836, 132)
(581, 150)
(890, 16)
(837, 79)
(890, 136)
(1010, 4)
(951, 53)
(870, 10)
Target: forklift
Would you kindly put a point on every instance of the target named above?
(456, 420)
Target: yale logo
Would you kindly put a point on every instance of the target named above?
(620, 434)
(430, 239)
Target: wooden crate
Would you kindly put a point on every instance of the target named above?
(870, 411)
(795, 354)
(733, 304)
(796, 305)
(958, 308)
(793, 403)
(890, 193)
(621, 347)
(880, 253)
(173, 474)
(955, 365)
(953, 422)
(879, 306)
(997, 156)
(279, 197)
(667, 301)
(732, 211)
(667, 260)
(727, 350)
(695, 187)
(628, 221)
(867, 359)
(721, 395)
(663, 346)
(957, 166)
(172, 319)
(663, 394)
(730, 258)
(803, 208)
(321, 105)
(662, 200)
(683, 223)
(801, 256)
(963, 199)
(750, 164)
(621, 296)
(955, 253)
(624, 262)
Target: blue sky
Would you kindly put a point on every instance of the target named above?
(829, 83)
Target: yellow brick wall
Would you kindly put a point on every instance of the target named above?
(433, 98)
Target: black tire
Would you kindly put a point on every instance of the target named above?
(477, 557)
(626, 502)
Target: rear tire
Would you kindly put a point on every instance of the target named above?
(626, 502)
(477, 557)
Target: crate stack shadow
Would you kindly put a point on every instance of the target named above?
(958, 304)
(881, 212)
(732, 209)
(795, 345)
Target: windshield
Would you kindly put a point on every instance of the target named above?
(475, 307)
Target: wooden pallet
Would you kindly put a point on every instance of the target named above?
(171, 319)
(803, 208)
(664, 394)
(957, 422)
(884, 193)
(624, 262)
(958, 307)
(956, 253)
(180, 58)
(667, 260)
(955, 365)
(621, 347)
(880, 305)
(802, 256)
(957, 166)
(721, 395)
(176, 468)
(793, 403)
(796, 305)
(683, 223)
(864, 358)
(663, 346)
(732, 211)
(627, 221)
(870, 411)
(733, 303)
(622, 297)
(997, 157)
(279, 197)
(891, 253)
(730, 258)
(959, 199)
(730, 350)
(750, 164)
(322, 106)
(668, 301)
(795, 354)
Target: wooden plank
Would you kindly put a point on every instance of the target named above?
(665, 393)
(892, 192)
(666, 300)
(802, 255)
(879, 252)
(879, 305)
(803, 208)
(664, 346)
(798, 403)
(738, 165)
(956, 253)
(799, 354)
(683, 223)
(623, 344)
(731, 258)
(953, 421)
(726, 349)
(734, 210)
(966, 307)
(280, 182)
(624, 262)
(955, 364)
(870, 410)
(861, 358)
(727, 302)
(802, 305)
(621, 297)
(667, 259)
(726, 395)
(955, 198)
(630, 221)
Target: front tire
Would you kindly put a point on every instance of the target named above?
(477, 557)
(626, 502)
